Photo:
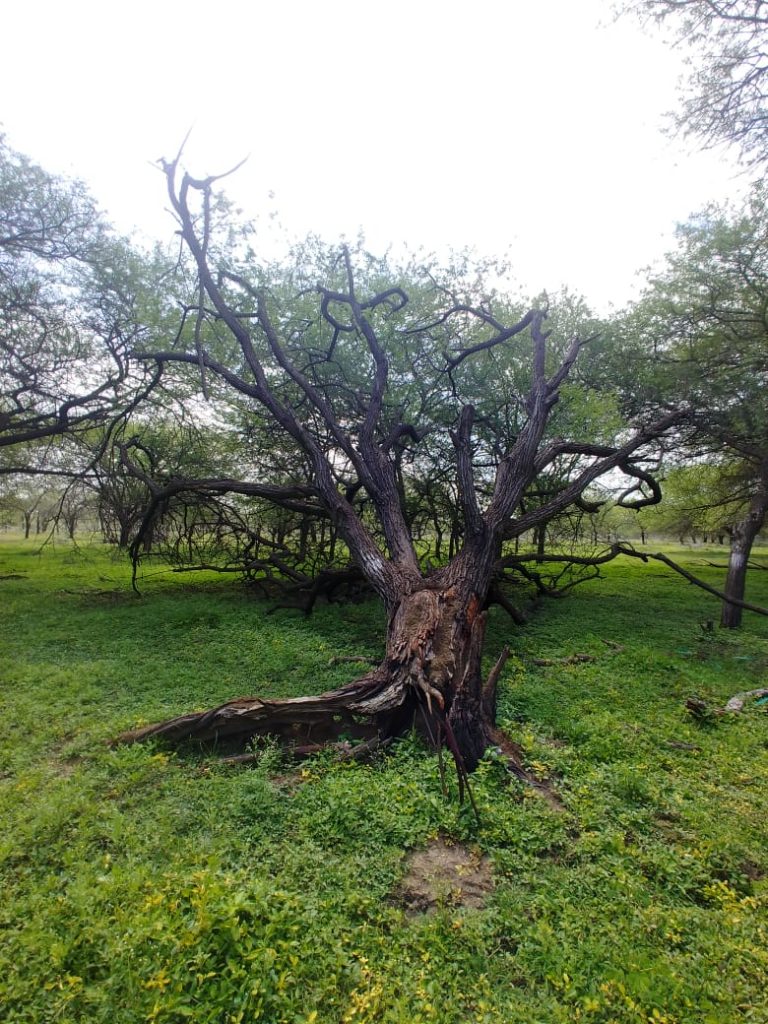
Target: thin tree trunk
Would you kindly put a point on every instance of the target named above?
(742, 538)
(303, 539)
(124, 539)
(541, 539)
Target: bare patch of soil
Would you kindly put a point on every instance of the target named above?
(444, 874)
(754, 872)
(65, 769)
(63, 762)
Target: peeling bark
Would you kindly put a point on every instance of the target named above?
(431, 672)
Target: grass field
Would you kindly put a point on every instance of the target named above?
(143, 885)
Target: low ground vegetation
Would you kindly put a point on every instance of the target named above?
(144, 885)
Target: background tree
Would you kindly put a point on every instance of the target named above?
(705, 317)
(30, 503)
(702, 502)
(724, 97)
(73, 301)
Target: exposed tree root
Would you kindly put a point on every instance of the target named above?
(514, 763)
(490, 690)
(430, 680)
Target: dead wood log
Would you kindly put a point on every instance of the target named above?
(702, 711)
(351, 709)
(737, 702)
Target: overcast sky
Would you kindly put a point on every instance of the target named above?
(529, 128)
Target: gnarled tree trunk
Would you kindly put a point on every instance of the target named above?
(430, 676)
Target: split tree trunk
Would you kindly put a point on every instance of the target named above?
(430, 677)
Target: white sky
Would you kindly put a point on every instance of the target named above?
(528, 127)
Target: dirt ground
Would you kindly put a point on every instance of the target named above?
(444, 874)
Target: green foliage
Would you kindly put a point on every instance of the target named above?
(702, 327)
(75, 303)
(703, 319)
(700, 500)
(142, 885)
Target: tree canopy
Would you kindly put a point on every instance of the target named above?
(71, 295)
(724, 96)
(358, 382)
(705, 316)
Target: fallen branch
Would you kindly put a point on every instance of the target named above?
(703, 712)
(737, 702)
(572, 659)
(513, 561)
(616, 648)
(645, 555)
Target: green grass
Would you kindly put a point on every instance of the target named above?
(142, 885)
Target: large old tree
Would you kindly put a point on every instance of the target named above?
(359, 387)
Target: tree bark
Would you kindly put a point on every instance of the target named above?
(742, 538)
(430, 677)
